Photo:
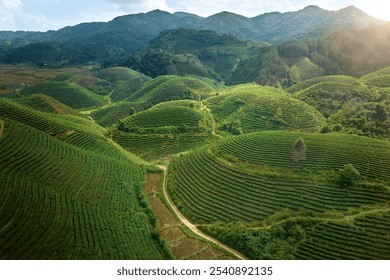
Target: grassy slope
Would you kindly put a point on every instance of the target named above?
(166, 88)
(64, 199)
(154, 133)
(263, 108)
(254, 179)
(69, 93)
(109, 115)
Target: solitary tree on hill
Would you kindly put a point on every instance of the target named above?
(348, 175)
(299, 152)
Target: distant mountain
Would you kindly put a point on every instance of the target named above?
(114, 40)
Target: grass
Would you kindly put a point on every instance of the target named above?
(51, 210)
(260, 108)
(167, 88)
(69, 93)
(253, 178)
(112, 113)
(324, 79)
(153, 147)
(47, 104)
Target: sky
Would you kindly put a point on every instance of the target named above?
(43, 15)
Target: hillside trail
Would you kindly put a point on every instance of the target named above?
(345, 218)
(190, 225)
(1, 127)
(213, 126)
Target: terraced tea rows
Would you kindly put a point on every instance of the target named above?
(171, 116)
(305, 85)
(157, 146)
(166, 88)
(329, 151)
(109, 115)
(46, 104)
(264, 108)
(61, 202)
(71, 94)
(367, 238)
(210, 189)
(75, 130)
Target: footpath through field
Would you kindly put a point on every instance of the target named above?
(188, 224)
(1, 126)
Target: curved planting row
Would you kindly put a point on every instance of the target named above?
(155, 146)
(208, 189)
(263, 108)
(341, 79)
(52, 124)
(323, 151)
(110, 115)
(367, 238)
(166, 88)
(61, 202)
(69, 93)
(46, 104)
(169, 116)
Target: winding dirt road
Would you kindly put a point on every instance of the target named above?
(188, 224)
(1, 126)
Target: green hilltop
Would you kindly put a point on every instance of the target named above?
(273, 173)
(263, 187)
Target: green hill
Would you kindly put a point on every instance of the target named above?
(114, 112)
(261, 186)
(350, 105)
(380, 78)
(68, 193)
(46, 104)
(165, 129)
(248, 108)
(306, 85)
(69, 93)
(167, 88)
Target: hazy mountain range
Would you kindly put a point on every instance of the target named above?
(115, 40)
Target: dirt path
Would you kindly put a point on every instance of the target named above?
(213, 128)
(345, 218)
(1, 127)
(188, 224)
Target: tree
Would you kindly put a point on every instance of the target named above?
(132, 111)
(348, 175)
(299, 152)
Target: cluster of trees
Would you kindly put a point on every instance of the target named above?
(279, 242)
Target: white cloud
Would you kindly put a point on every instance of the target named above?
(12, 4)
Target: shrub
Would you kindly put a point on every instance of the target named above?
(348, 175)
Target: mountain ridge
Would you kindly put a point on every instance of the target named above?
(124, 35)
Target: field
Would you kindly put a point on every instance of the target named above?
(167, 88)
(165, 129)
(12, 77)
(184, 245)
(51, 210)
(254, 179)
(112, 164)
(257, 108)
(69, 93)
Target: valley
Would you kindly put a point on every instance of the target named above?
(196, 144)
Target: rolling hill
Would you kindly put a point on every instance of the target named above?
(50, 207)
(254, 183)
(249, 108)
(165, 129)
(69, 93)
(170, 87)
